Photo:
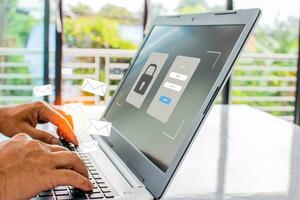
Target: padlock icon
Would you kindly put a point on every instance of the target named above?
(145, 79)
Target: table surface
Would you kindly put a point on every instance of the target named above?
(240, 154)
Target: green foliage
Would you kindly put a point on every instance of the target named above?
(94, 32)
(196, 6)
(112, 11)
(191, 6)
(280, 37)
(191, 3)
(19, 26)
(100, 30)
(82, 9)
(109, 11)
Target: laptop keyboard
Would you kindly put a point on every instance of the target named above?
(100, 191)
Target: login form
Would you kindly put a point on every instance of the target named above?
(172, 87)
(146, 79)
(170, 99)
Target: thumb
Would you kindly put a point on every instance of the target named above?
(41, 135)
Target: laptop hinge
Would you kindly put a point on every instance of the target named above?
(119, 164)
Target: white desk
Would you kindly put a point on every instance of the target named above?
(240, 154)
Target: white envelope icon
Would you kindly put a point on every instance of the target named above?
(97, 127)
(44, 90)
(94, 86)
(78, 113)
(67, 71)
(72, 108)
(87, 147)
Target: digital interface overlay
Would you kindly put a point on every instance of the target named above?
(173, 90)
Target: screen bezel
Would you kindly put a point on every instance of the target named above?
(155, 180)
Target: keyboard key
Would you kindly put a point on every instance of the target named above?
(102, 185)
(94, 173)
(78, 194)
(64, 197)
(91, 169)
(71, 187)
(59, 188)
(104, 190)
(109, 195)
(45, 198)
(77, 191)
(97, 176)
(95, 190)
(99, 181)
(46, 193)
(96, 196)
(62, 193)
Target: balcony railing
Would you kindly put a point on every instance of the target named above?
(265, 81)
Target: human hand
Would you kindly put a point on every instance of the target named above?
(28, 167)
(24, 119)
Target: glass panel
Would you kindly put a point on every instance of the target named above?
(266, 74)
(171, 7)
(92, 31)
(21, 57)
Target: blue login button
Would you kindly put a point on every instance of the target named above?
(164, 99)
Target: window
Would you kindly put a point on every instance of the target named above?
(21, 54)
(171, 7)
(93, 30)
(266, 74)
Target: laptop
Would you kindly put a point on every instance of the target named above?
(161, 104)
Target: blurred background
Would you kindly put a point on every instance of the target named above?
(98, 38)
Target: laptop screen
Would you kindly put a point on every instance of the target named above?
(168, 84)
